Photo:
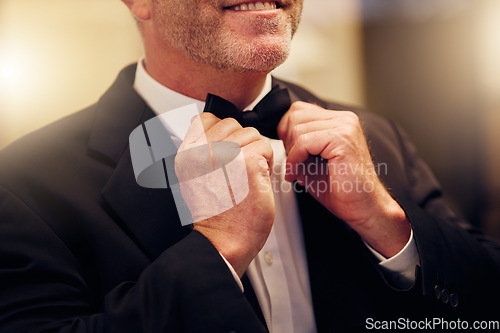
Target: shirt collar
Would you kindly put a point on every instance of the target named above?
(162, 99)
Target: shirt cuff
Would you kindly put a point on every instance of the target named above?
(235, 275)
(399, 270)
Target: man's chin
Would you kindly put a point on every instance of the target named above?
(259, 68)
(259, 57)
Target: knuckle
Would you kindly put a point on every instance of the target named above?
(251, 155)
(266, 150)
(296, 132)
(264, 146)
(351, 121)
(207, 116)
(301, 140)
(253, 132)
(351, 116)
(345, 133)
(231, 122)
(293, 117)
(269, 149)
(298, 105)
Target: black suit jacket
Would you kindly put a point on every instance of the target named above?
(83, 248)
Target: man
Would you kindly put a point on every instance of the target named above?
(84, 248)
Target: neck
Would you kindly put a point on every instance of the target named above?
(195, 80)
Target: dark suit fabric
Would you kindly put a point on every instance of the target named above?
(83, 248)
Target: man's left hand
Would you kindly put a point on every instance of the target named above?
(317, 140)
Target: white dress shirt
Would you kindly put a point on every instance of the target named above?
(279, 273)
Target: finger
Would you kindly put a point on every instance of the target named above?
(199, 125)
(308, 127)
(302, 121)
(244, 136)
(258, 149)
(222, 129)
(313, 143)
(298, 113)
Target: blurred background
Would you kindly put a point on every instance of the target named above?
(433, 66)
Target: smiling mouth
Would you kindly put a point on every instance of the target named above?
(255, 6)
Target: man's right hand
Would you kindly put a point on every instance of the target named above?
(240, 232)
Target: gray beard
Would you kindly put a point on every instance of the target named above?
(207, 45)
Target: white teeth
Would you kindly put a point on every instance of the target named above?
(255, 6)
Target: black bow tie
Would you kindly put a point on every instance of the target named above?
(265, 116)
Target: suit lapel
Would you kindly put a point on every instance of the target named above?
(149, 216)
(297, 93)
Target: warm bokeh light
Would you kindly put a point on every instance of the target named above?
(10, 73)
(17, 80)
(57, 57)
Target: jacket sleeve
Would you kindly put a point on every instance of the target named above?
(459, 266)
(188, 288)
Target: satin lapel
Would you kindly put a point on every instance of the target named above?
(149, 216)
(297, 93)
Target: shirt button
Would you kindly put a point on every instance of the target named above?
(268, 258)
